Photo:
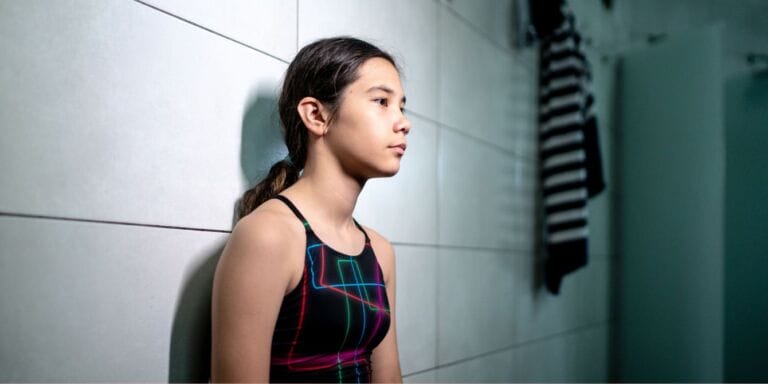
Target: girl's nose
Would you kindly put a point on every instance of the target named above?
(404, 125)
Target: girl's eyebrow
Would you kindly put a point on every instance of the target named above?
(385, 89)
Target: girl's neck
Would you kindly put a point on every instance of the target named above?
(329, 194)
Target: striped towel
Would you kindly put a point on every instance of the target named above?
(571, 170)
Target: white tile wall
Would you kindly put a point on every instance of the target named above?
(476, 311)
(494, 367)
(491, 18)
(120, 112)
(266, 25)
(583, 300)
(416, 307)
(162, 112)
(484, 91)
(577, 356)
(421, 377)
(101, 302)
(600, 212)
(600, 225)
(485, 195)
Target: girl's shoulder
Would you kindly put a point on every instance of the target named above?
(268, 238)
(271, 227)
(271, 217)
(385, 253)
(376, 236)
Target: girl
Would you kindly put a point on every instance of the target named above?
(302, 291)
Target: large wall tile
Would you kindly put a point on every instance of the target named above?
(524, 201)
(494, 367)
(97, 302)
(416, 307)
(406, 29)
(601, 225)
(403, 208)
(493, 18)
(486, 197)
(267, 25)
(525, 136)
(583, 299)
(580, 356)
(587, 355)
(476, 307)
(421, 377)
(121, 112)
(604, 89)
(539, 362)
(484, 91)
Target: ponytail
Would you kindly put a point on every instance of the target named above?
(281, 176)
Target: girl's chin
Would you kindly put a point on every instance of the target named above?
(390, 171)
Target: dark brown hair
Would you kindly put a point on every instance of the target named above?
(322, 69)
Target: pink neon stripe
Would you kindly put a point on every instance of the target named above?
(301, 317)
(315, 362)
(379, 314)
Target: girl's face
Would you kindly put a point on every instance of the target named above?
(370, 122)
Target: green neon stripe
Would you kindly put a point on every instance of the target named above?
(346, 333)
(346, 299)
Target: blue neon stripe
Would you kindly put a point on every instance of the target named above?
(362, 304)
(343, 285)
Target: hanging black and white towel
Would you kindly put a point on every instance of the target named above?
(569, 154)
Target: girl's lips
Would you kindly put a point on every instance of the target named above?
(399, 150)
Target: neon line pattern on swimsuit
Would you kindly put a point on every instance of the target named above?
(330, 323)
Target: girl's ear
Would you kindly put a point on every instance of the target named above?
(314, 115)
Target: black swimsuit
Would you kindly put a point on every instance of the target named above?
(329, 324)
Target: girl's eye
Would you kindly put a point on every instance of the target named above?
(386, 102)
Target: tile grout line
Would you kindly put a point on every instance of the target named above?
(199, 229)
(111, 222)
(438, 179)
(555, 335)
(436, 270)
(464, 247)
(482, 249)
(190, 22)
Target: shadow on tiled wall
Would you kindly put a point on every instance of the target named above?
(261, 146)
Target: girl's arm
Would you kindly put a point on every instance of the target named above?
(249, 284)
(385, 360)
